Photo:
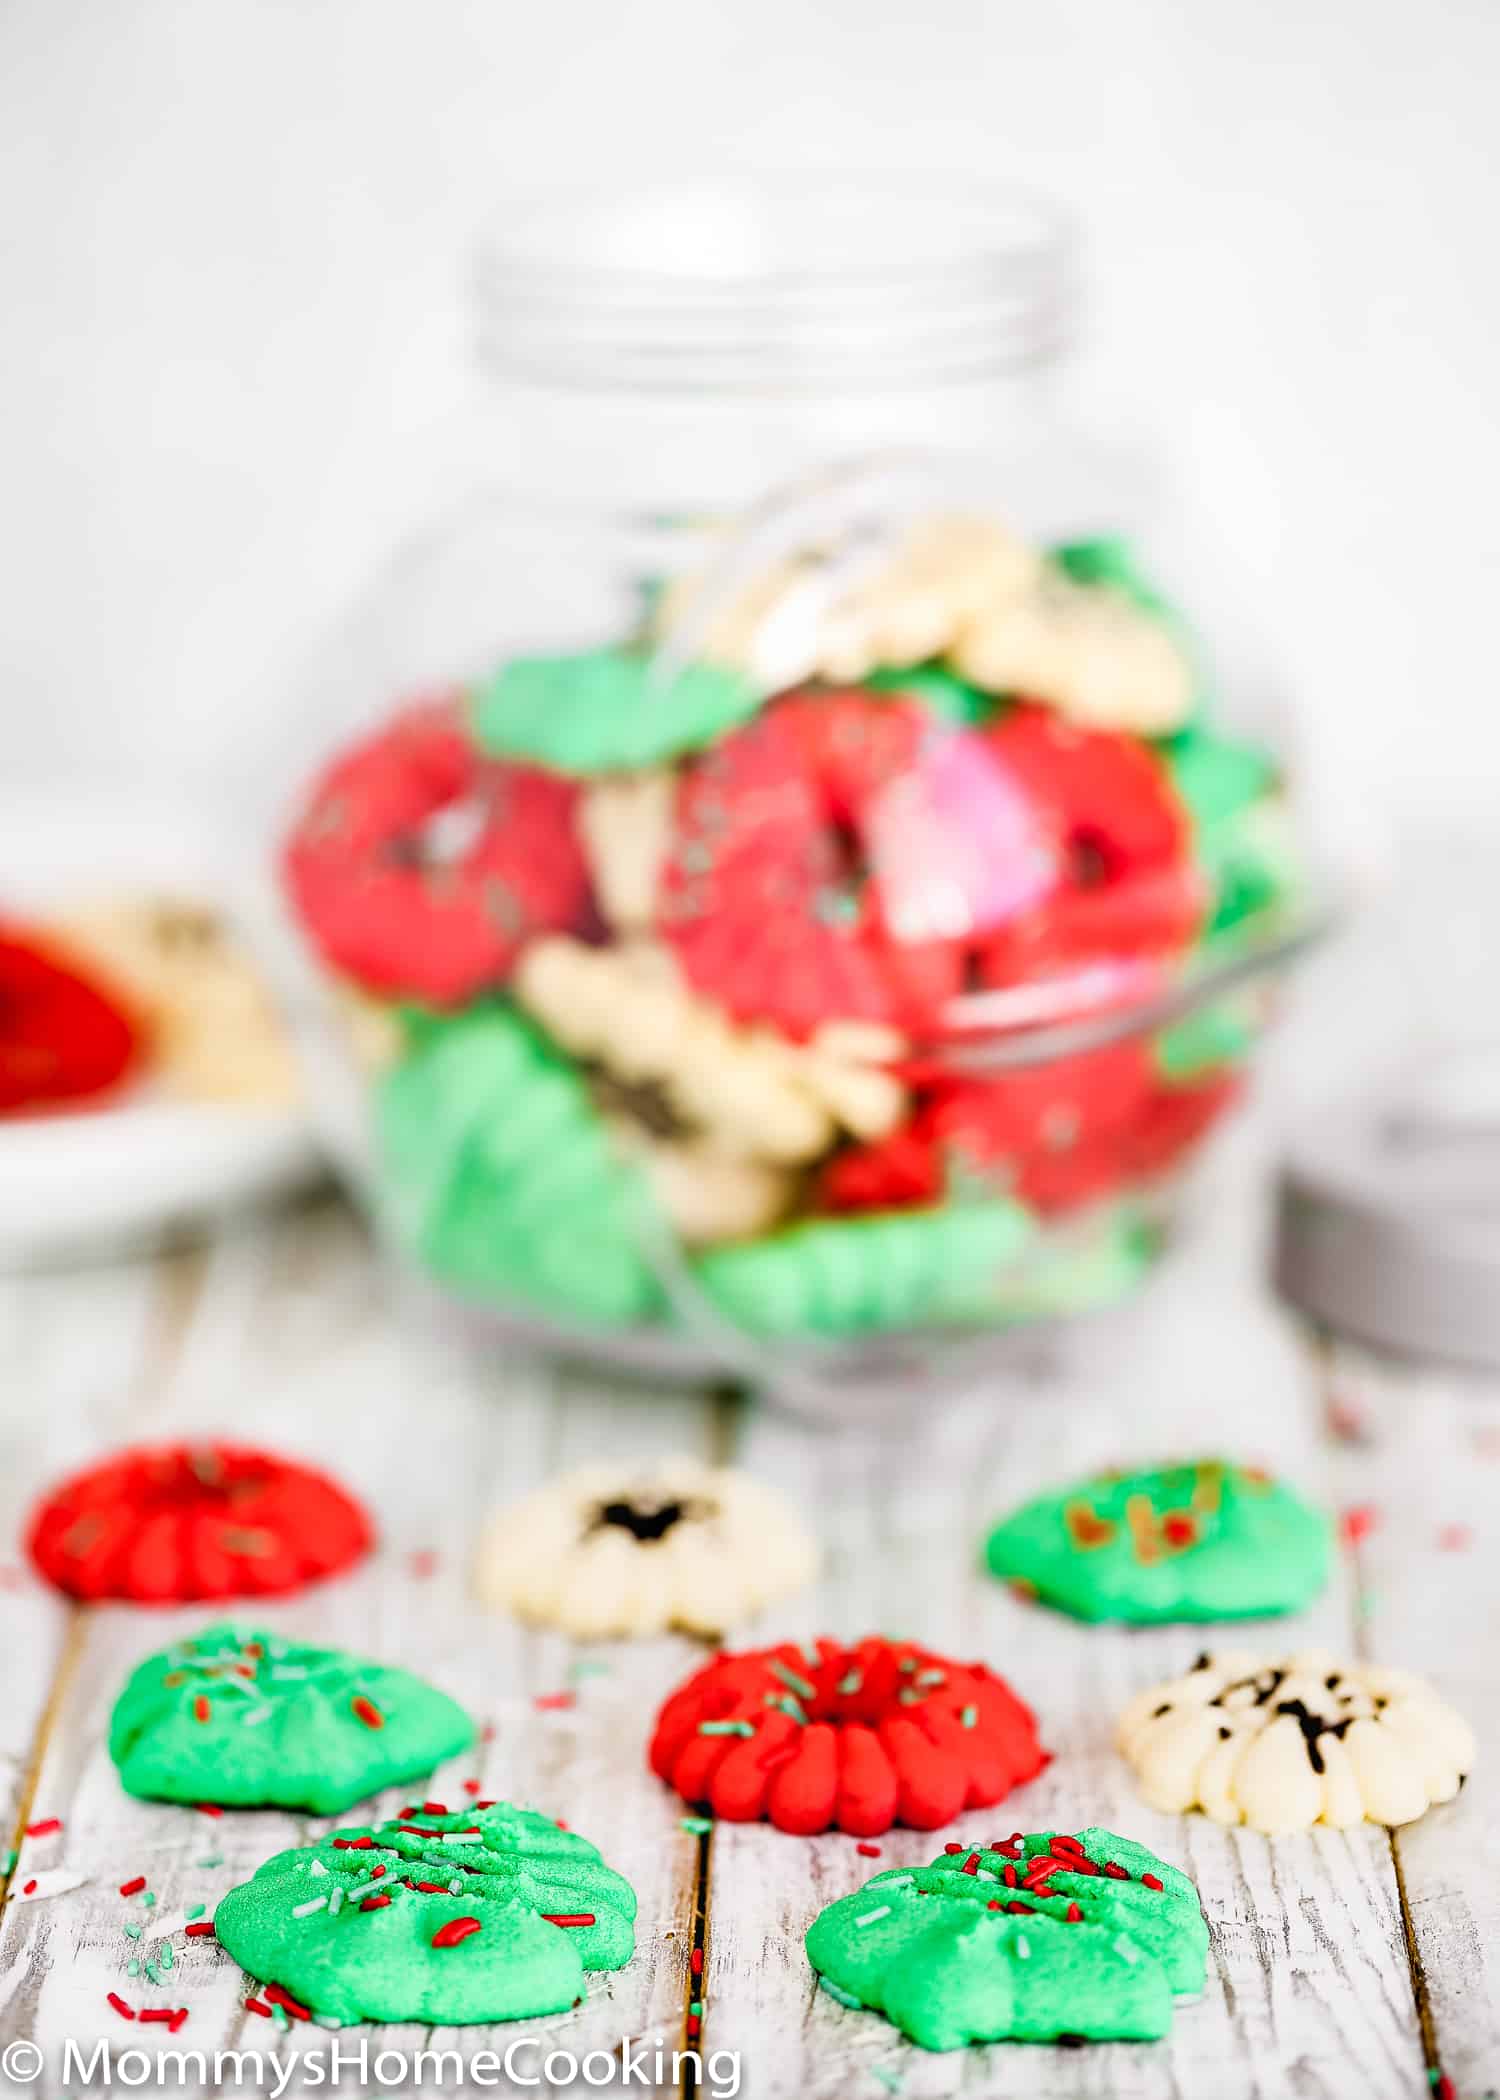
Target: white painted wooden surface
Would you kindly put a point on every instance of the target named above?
(1331, 1972)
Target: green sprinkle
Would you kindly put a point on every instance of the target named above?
(196, 1912)
(725, 1728)
(278, 2014)
(787, 1705)
(10, 1861)
(969, 1716)
(695, 2007)
(132, 1968)
(841, 1997)
(215, 1859)
(696, 1826)
(586, 1666)
(910, 1696)
(931, 1677)
(907, 1662)
(891, 2080)
(166, 1957)
(133, 1931)
(149, 1899)
(793, 1682)
(850, 1683)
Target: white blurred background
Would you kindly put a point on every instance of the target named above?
(233, 235)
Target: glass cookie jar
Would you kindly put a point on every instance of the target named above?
(781, 899)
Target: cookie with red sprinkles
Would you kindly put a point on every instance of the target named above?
(1129, 884)
(1038, 1937)
(790, 890)
(250, 1719)
(421, 868)
(63, 1038)
(855, 1738)
(183, 1523)
(445, 1916)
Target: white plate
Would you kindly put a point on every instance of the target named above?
(116, 1175)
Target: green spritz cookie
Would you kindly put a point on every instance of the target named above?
(500, 1177)
(605, 710)
(867, 1274)
(1200, 1540)
(492, 1913)
(252, 1720)
(1028, 1939)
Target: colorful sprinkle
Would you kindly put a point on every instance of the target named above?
(554, 1702)
(134, 1887)
(203, 1930)
(201, 1707)
(696, 1826)
(45, 1828)
(458, 1929)
(695, 1961)
(367, 1711)
(570, 1917)
(258, 2005)
(376, 1902)
(744, 1728)
(1148, 1881)
(1356, 1524)
(968, 1717)
(305, 1910)
(871, 1917)
(868, 1851)
(841, 1997)
(126, 2012)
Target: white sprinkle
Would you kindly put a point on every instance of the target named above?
(305, 1910)
(256, 1715)
(462, 1837)
(895, 1881)
(335, 1903)
(1127, 1950)
(455, 1888)
(1023, 1946)
(317, 1867)
(870, 1916)
(288, 1670)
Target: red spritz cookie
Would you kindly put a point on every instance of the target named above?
(777, 892)
(850, 1738)
(1130, 885)
(183, 1522)
(401, 908)
(62, 1038)
(1056, 1135)
(1172, 1120)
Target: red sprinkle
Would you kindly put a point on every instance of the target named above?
(471, 1786)
(376, 1872)
(1357, 1523)
(868, 1851)
(1010, 1877)
(1444, 2087)
(455, 1930)
(203, 1930)
(200, 1707)
(1022, 1910)
(430, 1808)
(994, 1904)
(287, 2003)
(367, 1711)
(950, 1849)
(45, 1828)
(570, 1917)
(1073, 1914)
(696, 1962)
(694, 2027)
(553, 1702)
(133, 1888)
(178, 2020)
(126, 2012)
(1115, 1871)
(376, 1902)
(418, 1830)
(29, 1888)
(484, 1804)
(257, 2005)
(1150, 1881)
(364, 1844)
(429, 1888)
(208, 1808)
(971, 1864)
(559, 1822)
(162, 2013)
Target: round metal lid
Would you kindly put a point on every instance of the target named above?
(1388, 1219)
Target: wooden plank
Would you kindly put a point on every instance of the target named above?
(295, 1341)
(1308, 1988)
(1419, 1457)
(73, 1345)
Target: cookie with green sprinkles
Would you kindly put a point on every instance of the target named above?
(248, 1719)
(605, 710)
(1032, 1938)
(1193, 1540)
(489, 1913)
